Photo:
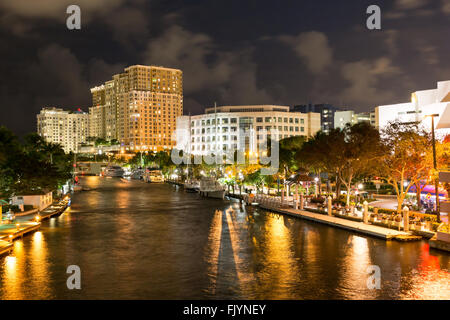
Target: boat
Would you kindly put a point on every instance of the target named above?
(211, 188)
(114, 171)
(191, 185)
(153, 176)
(137, 174)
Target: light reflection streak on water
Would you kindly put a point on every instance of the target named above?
(240, 240)
(214, 242)
(39, 264)
(280, 258)
(14, 266)
(429, 281)
(354, 269)
(235, 249)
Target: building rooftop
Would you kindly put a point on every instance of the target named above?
(248, 108)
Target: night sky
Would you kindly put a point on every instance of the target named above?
(233, 51)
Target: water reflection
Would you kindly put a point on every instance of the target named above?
(354, 269)
(148, 241)
(39, 265)
(279, 261)
(214, 242)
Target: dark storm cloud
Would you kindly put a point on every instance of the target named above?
(232, 52)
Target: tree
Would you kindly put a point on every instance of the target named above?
(9, 149)
(287, 151)
(406, 160)
(35, 143)
(256, 179)
(324, 153)
(32, 167)
(361, 150)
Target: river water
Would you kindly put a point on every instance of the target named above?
(134, 240)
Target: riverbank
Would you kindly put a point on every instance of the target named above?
(11, 231)
(358, 227)
(26, 224)
(5, 247)
(348, 224)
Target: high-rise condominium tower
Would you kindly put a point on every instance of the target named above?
(138, 107)
(67, 128)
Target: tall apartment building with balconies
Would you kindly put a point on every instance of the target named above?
(139, 107)
(67, 128)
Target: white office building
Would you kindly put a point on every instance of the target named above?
(241, 127)
(342, 118)
(423, 103)
(67, 128)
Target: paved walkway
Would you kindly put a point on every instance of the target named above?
(368, 229)
(17, 231)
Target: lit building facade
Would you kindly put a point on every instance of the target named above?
(139, 107)
(342, 118)
(326, 111)
(67, 128)
(241, 127)
(423, 103)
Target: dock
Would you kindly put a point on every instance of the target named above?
(5, 247)
(9, 232)
(355, 226)
(439, 245)
(26, 224)
(53, 210)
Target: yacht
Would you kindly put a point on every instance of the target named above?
(137, 174)
(191, 185)
(114, 171)
(153, 176)
(211, 188)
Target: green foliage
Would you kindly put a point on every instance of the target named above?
(288, 149)
(407, 159)
(31, 167)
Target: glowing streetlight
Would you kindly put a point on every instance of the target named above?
(436, 180)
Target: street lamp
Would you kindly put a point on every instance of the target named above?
(436, 180)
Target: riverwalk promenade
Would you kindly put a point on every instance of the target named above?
(355, 225)
(9, 232)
